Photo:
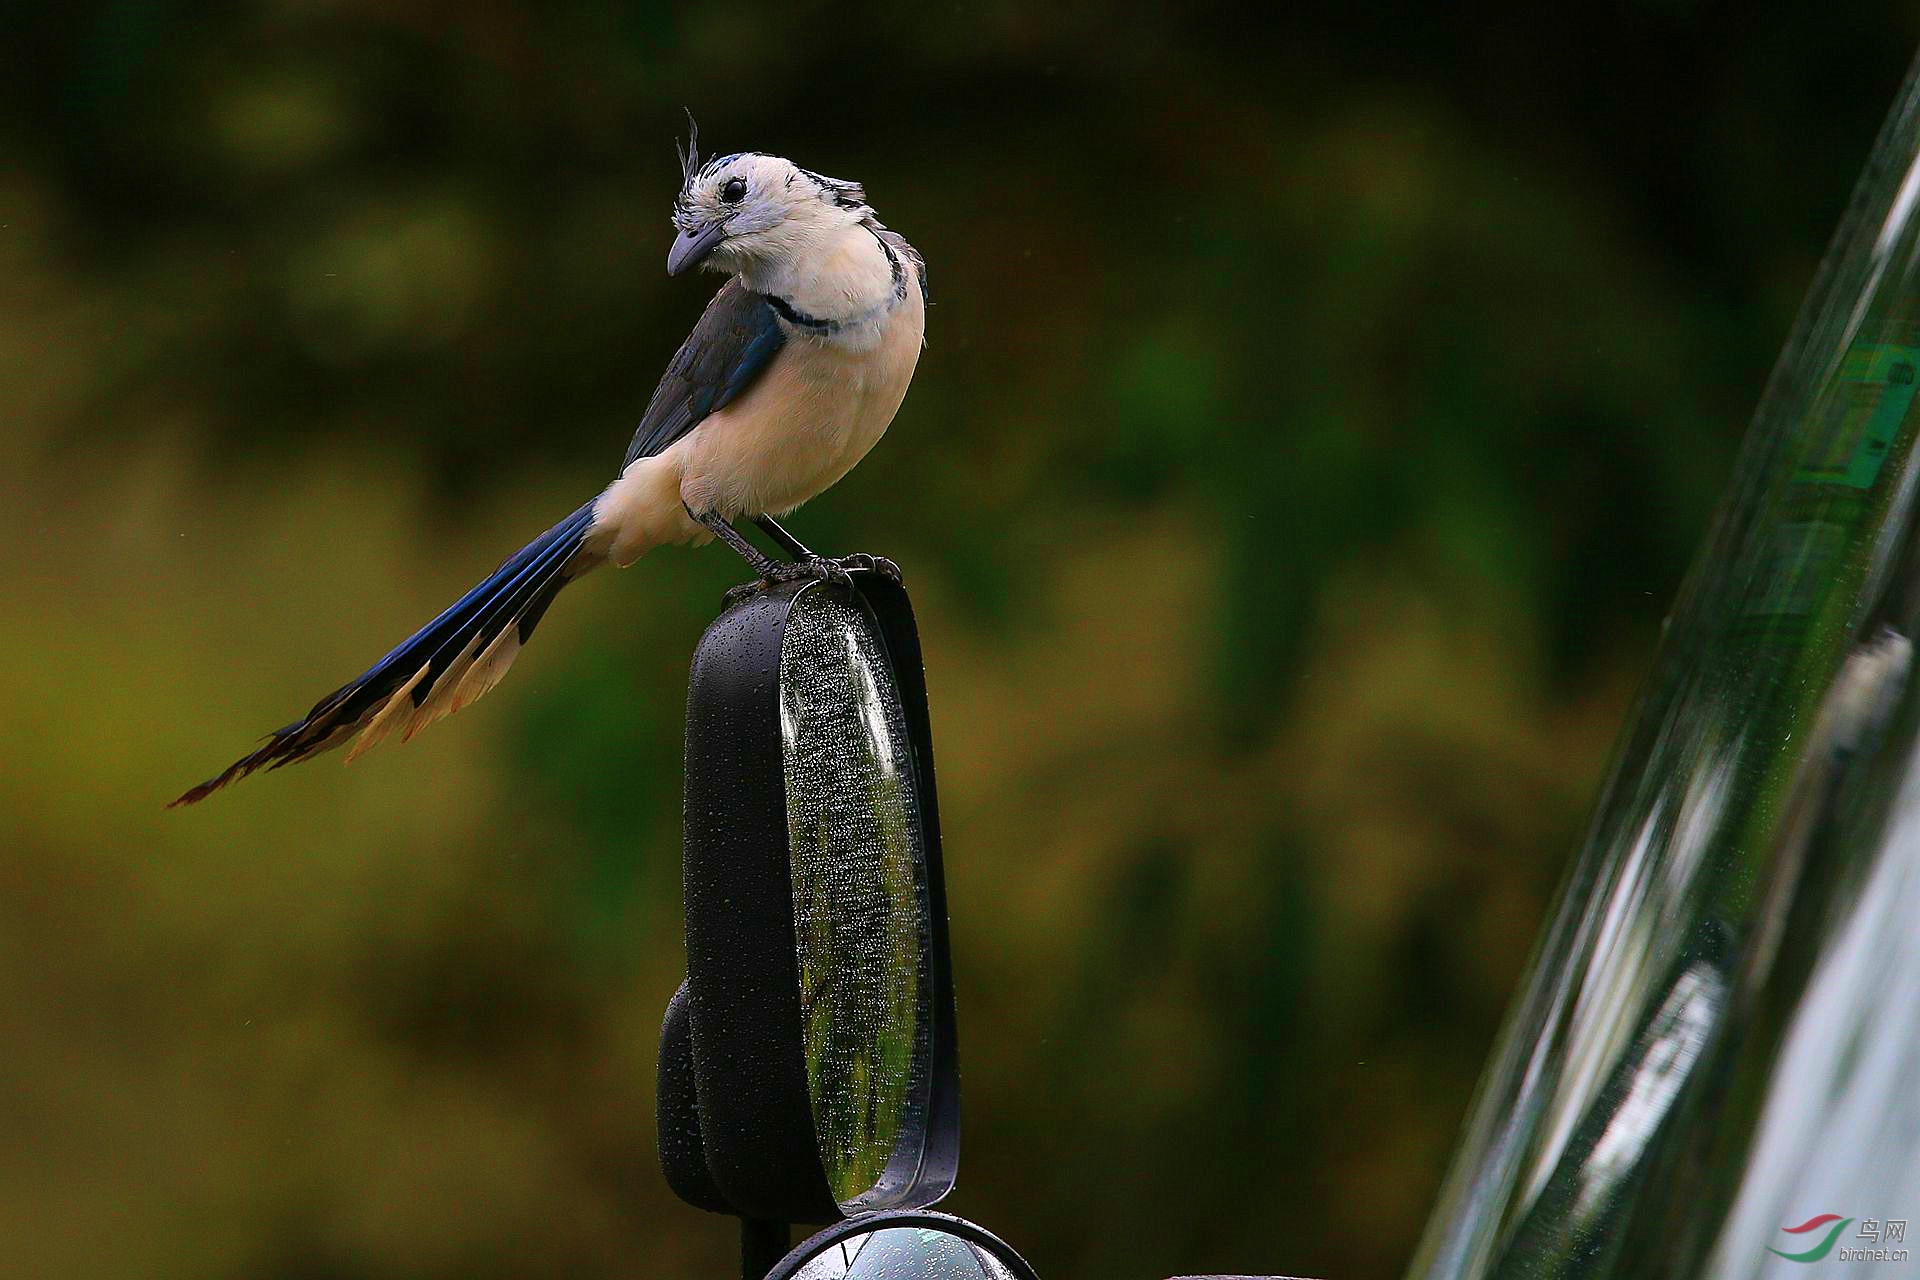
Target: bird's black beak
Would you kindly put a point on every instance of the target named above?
(689, 247)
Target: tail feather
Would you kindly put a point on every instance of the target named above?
(503, 599)
(440, 668)
(380, 724)
(497, 642)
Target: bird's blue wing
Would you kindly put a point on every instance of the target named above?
(736, 338)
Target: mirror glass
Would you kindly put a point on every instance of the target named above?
(904, 1253)
(859, 899)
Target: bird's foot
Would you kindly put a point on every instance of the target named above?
(874, 564)
(814, 569)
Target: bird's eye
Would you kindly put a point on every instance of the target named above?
(734, 191)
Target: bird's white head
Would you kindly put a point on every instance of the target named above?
(750, 210)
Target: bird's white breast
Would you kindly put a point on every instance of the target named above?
(823, 402)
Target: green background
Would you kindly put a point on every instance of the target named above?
(1320, 407)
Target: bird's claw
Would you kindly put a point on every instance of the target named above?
(836, 570)
(745, 591)
(812, 569)
(874, 564)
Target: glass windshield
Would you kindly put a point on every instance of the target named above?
(1711, 1069)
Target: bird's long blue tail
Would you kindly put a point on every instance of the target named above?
(438, 669)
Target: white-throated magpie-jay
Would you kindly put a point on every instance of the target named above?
(789, 378)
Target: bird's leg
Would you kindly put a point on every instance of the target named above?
(771, 571)
(759, 561)
(798, 550)
(795, 549)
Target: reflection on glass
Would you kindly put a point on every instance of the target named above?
(904, 1253)
(1720, 1035)
(859, 898)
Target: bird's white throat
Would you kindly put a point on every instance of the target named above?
(845, 281)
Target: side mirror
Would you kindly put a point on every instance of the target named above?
(808, 1066)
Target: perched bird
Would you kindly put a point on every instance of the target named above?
(789, 378)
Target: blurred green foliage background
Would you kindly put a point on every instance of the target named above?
(1321, 405)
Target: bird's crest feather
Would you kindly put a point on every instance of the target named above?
(690, 153)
